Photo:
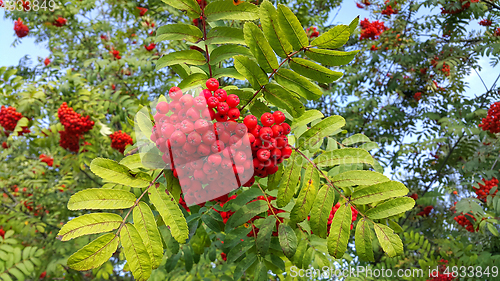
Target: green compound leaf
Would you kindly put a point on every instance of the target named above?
(259, 47)
(363, 241)
(145, 224)
(289, 180)
(225, 52)
(263, 239)
(306, 118)
(299, 84)
(333, 38)
(343, 157)
(318, 132)
(284, 99)
(389, 241)
(245, 213)
(378, 192)
(252, 72)
(288, 240)
(191, 57)
(225, 35)
(391, 208)
(292, 28)
(314, 71)
(273, 31)
(190, 6)
(95, 253)
(226, 10)
(329, 57)
(98, 198)
(169, 211)
(352, 178)
(353, 25)
(89, 224)
(135, 252)
(321, 209)
(179, 31)
(307, 195)
(340, 231)
(193, 81)
(111, 171)
(356, 138)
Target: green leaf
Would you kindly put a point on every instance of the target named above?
(193, 81)
(389, 241)
(225, 35)
(378, 192)
(263, 239)
(314, 71)
(352, 178)
(306, 118)
(391, 208)
(273, 180)
(242, 266)
(114, 172)
(169, 210)
(226, 10)
(145, 224)
(95, 253)
(284, 99)
(179, 31)
(298, 84)
(132, 161)
(292, 28)
(252, 72)
(190, 6)
(213, 220)
(144, 125)
(334, 38)
(343, 156)
(238, 250)
(259, 47)
(89, 224)
(288, 240)
(340, 231)
(137, 256)
(307, 195)
(321, 209)
(289, 180)
(191, 57)
(245, 213)
(492, 229)
(258, 108)
(227, 72)
(353, 25)
(318, 132)
(354, 139)
(329, 57)
(273, 31)
(225, 52)
(98, 198)
(243, 198)
(363, 241)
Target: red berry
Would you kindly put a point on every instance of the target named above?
(212, 102)
(281, 142)
(277, 130)
(186, 127)
(186, 101)
(214, 160)
(175, 93)
(209, 137)
(220, 94)
(222, 107)
(220, 117)
(267, 144)
(178, 139)
(162, 107)
(194, 138)
(275, 154)
(267, 119)
(167, 129)
(200, 103)
(250, 121)
(279, 117)
(208, 169)
(217, 146)
(240, 157)
(251, 137)
(233, 100)
(286, 128)
(192, 114)
(201, 126)
(203, 149)
(286, 152)
(263, 155)
(255, 131)
(241, 130)
(212, 84)
(266, 133)
(233, 113)
(206, 93)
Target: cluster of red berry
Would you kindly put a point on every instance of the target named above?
(485, 22)
(426, 211)
(465, 222)
(373, 48)
(223, 200)
(440, 275)
(2, 232)
(492, 121)
(453, 11)
(332, 214)
(371, 30)
(115, 53)
(5, 145)
(484, 190)
(150, 47)
(388, 11)
(312, 32)
(9, 118)
(60, 22)
(47, 159)
(142, 11)
(46, 61)
(417, 96)
(74, 127)
(119, 140)
(363, 2)
(497, 32)
(20, 28)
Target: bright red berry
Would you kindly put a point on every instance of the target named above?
(286, 128)
(233, 100)
(277, 130)
(212, 84)
(233, 113)
(266, 133)
(250, 121)
(212, 102)
(222, 107)
(175, 93)
(162, 107)
(263, 155)
(279, 117)
(186, 101)
(267, 119)
(220, 94)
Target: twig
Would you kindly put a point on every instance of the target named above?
(91, 178)
(10, 195)
(204, 23)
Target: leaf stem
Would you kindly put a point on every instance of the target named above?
(204, 24)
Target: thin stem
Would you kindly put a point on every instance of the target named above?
(268, 203)
(10, 195)
(204, 23)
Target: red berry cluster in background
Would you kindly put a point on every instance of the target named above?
(492, 121)
(485, 22)
(465, 222)
(47, 159)
(115, 53)
(373, 48)
(334, 210)
(75, 126)
(119, 140)
(497, 32)
(388, 11)
(46, 61)
(484, 190)
(417, 96)
(414, 196)
(270, 212)
(427, 210)
(371, 30)
(150, 47)
(2, 232)
(223, 200)
(365, 2)
(20, 28)
(9, 118)
(142, 11)
(60, 22)
(440, 275)
(312, 32)
(5, 145)
(453, 11)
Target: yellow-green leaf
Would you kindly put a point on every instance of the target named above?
(179, 31)
(273, 31)
(390, 242)
(259, 47)
(191, 57)
(298, 84)
(307, 195)
(334, 38)
(89, 224)
(330, 57)
(95, 253)
(343, 156)
(321, 209)
(321, 130)
(114, 172)
(289, 180)
(340, 231)
(252, 72)
(137, 256)
(292, 28)
(226, 10)
(391, 208)
(225, 35)
(314, 71)
(145, 224)
(363, 241)
(284, 99)
(98, 198)
(378, 192)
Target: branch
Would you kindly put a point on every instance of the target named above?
(10, 195)
(204, 23)
(492, 4)
(85, 173)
